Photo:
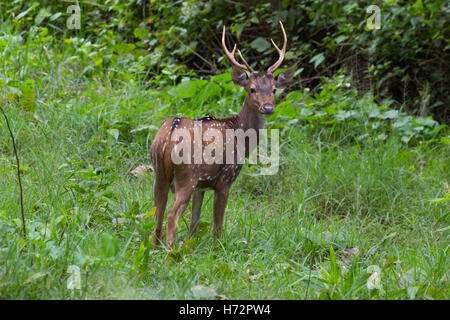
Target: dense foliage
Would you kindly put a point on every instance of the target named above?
(406, 60)
(358, 210)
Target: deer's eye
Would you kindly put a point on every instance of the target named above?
(252, 90)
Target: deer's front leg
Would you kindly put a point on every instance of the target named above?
(220, 202)
(197, 201)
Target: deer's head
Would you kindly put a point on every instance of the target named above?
(260, 87)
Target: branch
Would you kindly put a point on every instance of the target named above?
(237, 3)
(18, 171)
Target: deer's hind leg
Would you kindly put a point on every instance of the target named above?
(161, 191)
(163, 178)
(185, 183)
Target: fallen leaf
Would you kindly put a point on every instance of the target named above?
(37, 117)
(36, 276)
(348, 255)
(140, 171)
(74, 281)
(374, 281)
(200, 292)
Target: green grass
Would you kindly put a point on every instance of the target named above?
(284, 236)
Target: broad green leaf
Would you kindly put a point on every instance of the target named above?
(341, 38)
(412, 291)
(211, 91)
(260, 44)
(223, 77)
(124, 48)
(141, 33)
(445, 140)
(113, 133)
(55, 16)
(334, 267)
(43, 13)
(391, 114)
(317, 59)
(109, 245)
(418, 6)
(151, 212)
(189, 88)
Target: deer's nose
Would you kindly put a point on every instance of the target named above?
(267, 108)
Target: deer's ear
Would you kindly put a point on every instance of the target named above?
(239, 77)
(283, 79)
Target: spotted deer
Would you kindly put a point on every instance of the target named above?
(193, 178)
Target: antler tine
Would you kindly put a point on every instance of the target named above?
(230, 55)
(281, 52)
(245, 62)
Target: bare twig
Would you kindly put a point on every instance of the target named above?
(200, 69)
(194, 52)
(62, 234)
(143, 9)
(237, 3)
(18, 171)
(308, 80)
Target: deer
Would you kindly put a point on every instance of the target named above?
(188, 180)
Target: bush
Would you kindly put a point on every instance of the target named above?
(407, 60)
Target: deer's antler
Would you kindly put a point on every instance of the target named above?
(230, 55)
(281, 52)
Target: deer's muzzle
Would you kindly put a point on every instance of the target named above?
(267, 108)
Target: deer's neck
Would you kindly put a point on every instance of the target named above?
(249, 118)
